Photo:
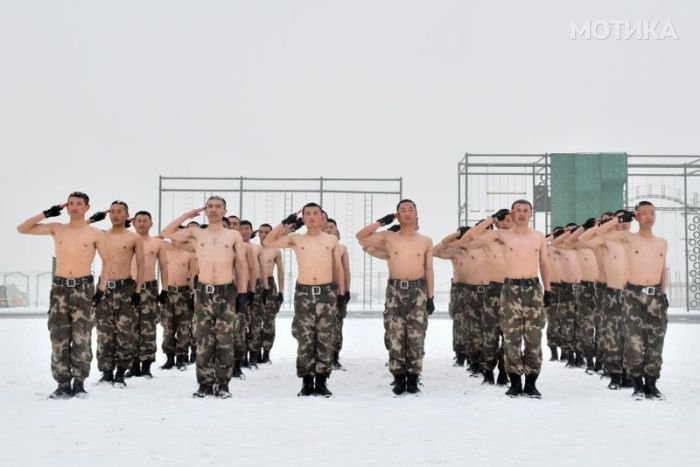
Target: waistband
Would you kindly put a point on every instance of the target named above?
(588, 284)
(72, 282)
(150, 285)
(612, 291)
(178, 288)
(570, 286)
(315, 289)
(601, 284)
(522, 282)
(476, 288)
(120, 283)
(212, 289)
(401, 284)
(645, 289)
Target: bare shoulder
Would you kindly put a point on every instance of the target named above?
(425, 239)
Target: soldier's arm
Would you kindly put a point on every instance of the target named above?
(260, 258)
(429, 273)
(279, 264)
(140, 262)
(192, 269)
(379, 253)
(338, 273)
(368, 236)
(103, 252)
(163, 264)
(346, 268)
(544, 265)
(589, 239)
(242, 269)
(664, 271)
(32, 226)
(607, 232)
(278, 238)
(250, 261)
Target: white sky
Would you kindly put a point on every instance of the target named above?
(103, 97)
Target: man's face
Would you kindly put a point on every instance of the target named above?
(263, 232)
(407, 214)
(77, 207)
(142, 224)
(521, 214)
(506, 223)
(118, 215)
(311, 216)
(234, 223)
(646, 216)
(324, 220)
(246, 231)
(215, 210)
(331, 229)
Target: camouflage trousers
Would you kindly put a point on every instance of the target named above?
(612, 343)
(406, 312)
(645, 321)
(272, 307)
(255, 319)
(584, 326)
(340, 315)
(599, 317)
(522, 321)
(176, 318)
(146, 317)
(312, 327)
(240, 331)
(567, 315)
(553, 324)
(458, 313)
(116, 328)
(215, 314)
(490, 327)
(475, 295)
(70, 322)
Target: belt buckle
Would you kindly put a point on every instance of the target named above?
(315, 290)
(649, 290)
(71, 283)
(210, 289)
(111, 284)
(403, 284)
(480, 289)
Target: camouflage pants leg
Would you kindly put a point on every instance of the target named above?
(475, 338)
(342, 312)
(116, 329)
(407, 317)
(240, 332)
(584, 328)
(272, 307)
(599, 318)
(611, 340)
(460, 327)
(312, 327)
(256, 320)
(490, 328)
(645, 323)
(523, 321)
(215, 314)
(553, 325)
(146, 325)
(177, 323)
(70, 328)
(567, 312)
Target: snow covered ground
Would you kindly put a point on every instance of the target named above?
(454, 421)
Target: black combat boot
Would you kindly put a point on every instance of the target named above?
(598, 366)
(79, 389)
(627, 382)
(399, 384)
(650, 390)
(579, 362)
(555, 356)
(146, 369)
(253, 362)
(502, 378)
(170, 362)
(530, 390)
(321, 389)
(590, 366)
(119, 377)
(638, 387)
(516, 387)
(107, 377)
(181, 364)
(488, 377)
(307, 386)
(204, 390)
(412, 384)
(265, 357)
(193, 355)
(244, 361)
(564, 356)
(237, 373)
(474, 370)
(615, 381)
(459, 359)
(135, 370)
(336, 361)
(571, 361)
(63, 391)
(222, 391)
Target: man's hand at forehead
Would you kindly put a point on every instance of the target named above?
(55, 210)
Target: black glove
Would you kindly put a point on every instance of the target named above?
(250, 297)
(97, 217)
(394, 228)
(340, 299)
(548, 298)
(346, 297)
(431, 306)
(386, 220)
(665, 301)
(53, 211)
(290, 219)
(462, 231)
(266, 292)
(163, 297)
(97, 298)
(590, 222)
(280, 297)
(501, 214)
(298, 224)
(255, 232)
(625, 217)
(135, 299)
(241, 301)
(127, 224)
(190, 301)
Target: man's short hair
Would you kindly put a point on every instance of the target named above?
(248, 223)
(234, 216)
(217, 198)
(81, 195)
(265, 225)
(571, 224)
(121, 203)
(311, 205)
(406, 200)
(520, 201)
(332, 221)
(144, 213)
(607, 214)
(643, 203)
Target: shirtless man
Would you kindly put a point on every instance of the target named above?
(177, 313)
(117, 313)
(522, 302)
(568, 296)
(556, 280)
(331, 228)
(318, 261)
(194, 280)
(147, 311)
(234, 222)
(215, 248)
(273, 297)
(254, 308)
(410, 291)
(645, 304)
(71, 314)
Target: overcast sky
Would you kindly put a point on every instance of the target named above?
(104, 97)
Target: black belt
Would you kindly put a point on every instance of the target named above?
(315, 289)
(150, 285)
(460, 285)
(211, 289)
(524, 282)
(476, 288)
(178, 288)
(612, 291)
(407, 284)
(646, 289)
(601, 284)
(119, 283)
(72, 282)
(570, 285)
(588, 284)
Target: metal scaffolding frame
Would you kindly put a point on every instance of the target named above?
(537, 169)
(288, 187)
